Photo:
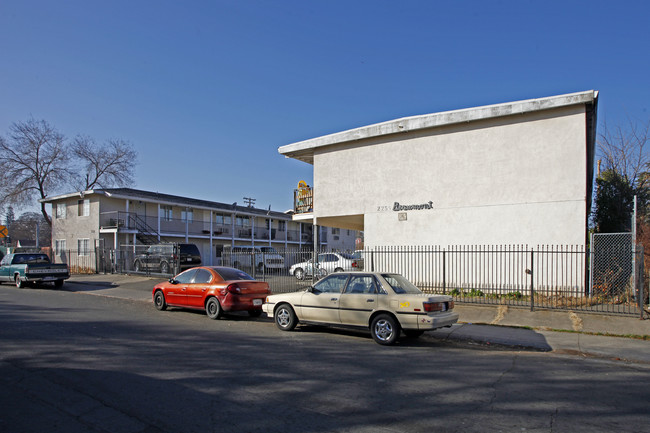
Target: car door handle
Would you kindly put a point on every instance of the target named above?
(334, 299)
(370, 300)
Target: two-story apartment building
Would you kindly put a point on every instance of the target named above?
(126, 219)
(512, 173)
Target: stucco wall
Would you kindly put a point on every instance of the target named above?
(74, 227)
(510, 180)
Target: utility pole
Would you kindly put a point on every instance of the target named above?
(249, 201)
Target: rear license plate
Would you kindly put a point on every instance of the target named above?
(189, 259)
(257, 302)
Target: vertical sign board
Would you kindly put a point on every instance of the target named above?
(3, 232)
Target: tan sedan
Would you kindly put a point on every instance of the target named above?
(385, 303)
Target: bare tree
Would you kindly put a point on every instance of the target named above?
(28, 226)
(625, 149)
(104, 166)
(33, 163)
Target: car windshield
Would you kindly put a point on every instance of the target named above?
(347, 256)
(401, 285)
(268, 250)
(229, 274)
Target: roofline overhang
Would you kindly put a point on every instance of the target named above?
(304, 150)
(120, 196)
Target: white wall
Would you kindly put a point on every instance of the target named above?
(511, 180)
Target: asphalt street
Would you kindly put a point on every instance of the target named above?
(615, 337)
(82, 361)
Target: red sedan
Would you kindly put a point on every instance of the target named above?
(215, 289)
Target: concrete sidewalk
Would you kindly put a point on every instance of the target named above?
(588, 334)
(614, 337)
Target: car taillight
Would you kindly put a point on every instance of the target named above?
(354, 264)
(432, 306)
(233, 288)
(438, 306)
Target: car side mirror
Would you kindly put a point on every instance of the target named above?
(173, 281)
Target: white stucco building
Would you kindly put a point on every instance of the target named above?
(512, 173)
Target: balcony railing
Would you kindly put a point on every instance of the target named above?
(125, 222)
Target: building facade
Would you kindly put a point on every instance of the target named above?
(513, 173)
(129, 219)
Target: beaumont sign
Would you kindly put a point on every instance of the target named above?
(402, 207)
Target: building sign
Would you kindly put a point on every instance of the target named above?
(402, 207)
(397, 207)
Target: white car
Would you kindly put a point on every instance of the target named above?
(327, 263)
(385, 303)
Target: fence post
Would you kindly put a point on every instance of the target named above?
(532, 273)
(444, 272)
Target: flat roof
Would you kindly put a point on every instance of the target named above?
(304, 150)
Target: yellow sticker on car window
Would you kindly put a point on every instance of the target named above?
(404, 304)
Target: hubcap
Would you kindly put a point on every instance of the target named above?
(283, 318)
(383, 330)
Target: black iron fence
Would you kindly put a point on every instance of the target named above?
(541, 277)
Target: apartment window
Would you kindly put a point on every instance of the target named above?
(166, 213)
(243, 221)
(222, 219)
(336, 231)
(61, 210)
(83, 207)
(187, 215)
(83, 247)
(282, 226)
(59, 246)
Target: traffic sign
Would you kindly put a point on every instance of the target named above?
(3, 232)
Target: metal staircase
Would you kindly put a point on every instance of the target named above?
(146, 234)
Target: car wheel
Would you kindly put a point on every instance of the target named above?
(255, 313)
(19, 283)
(260, 267)
(164, 268)
(213, 308)
(285, 318)
(299, 273)
(58, 284)
(413, 333)
(338, 270)
(137, 266)
(159, 301)
(322, 273)
(385, 329)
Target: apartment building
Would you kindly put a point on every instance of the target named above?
(513, 173)
(129, 219)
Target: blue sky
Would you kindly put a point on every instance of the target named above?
(206, 91)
